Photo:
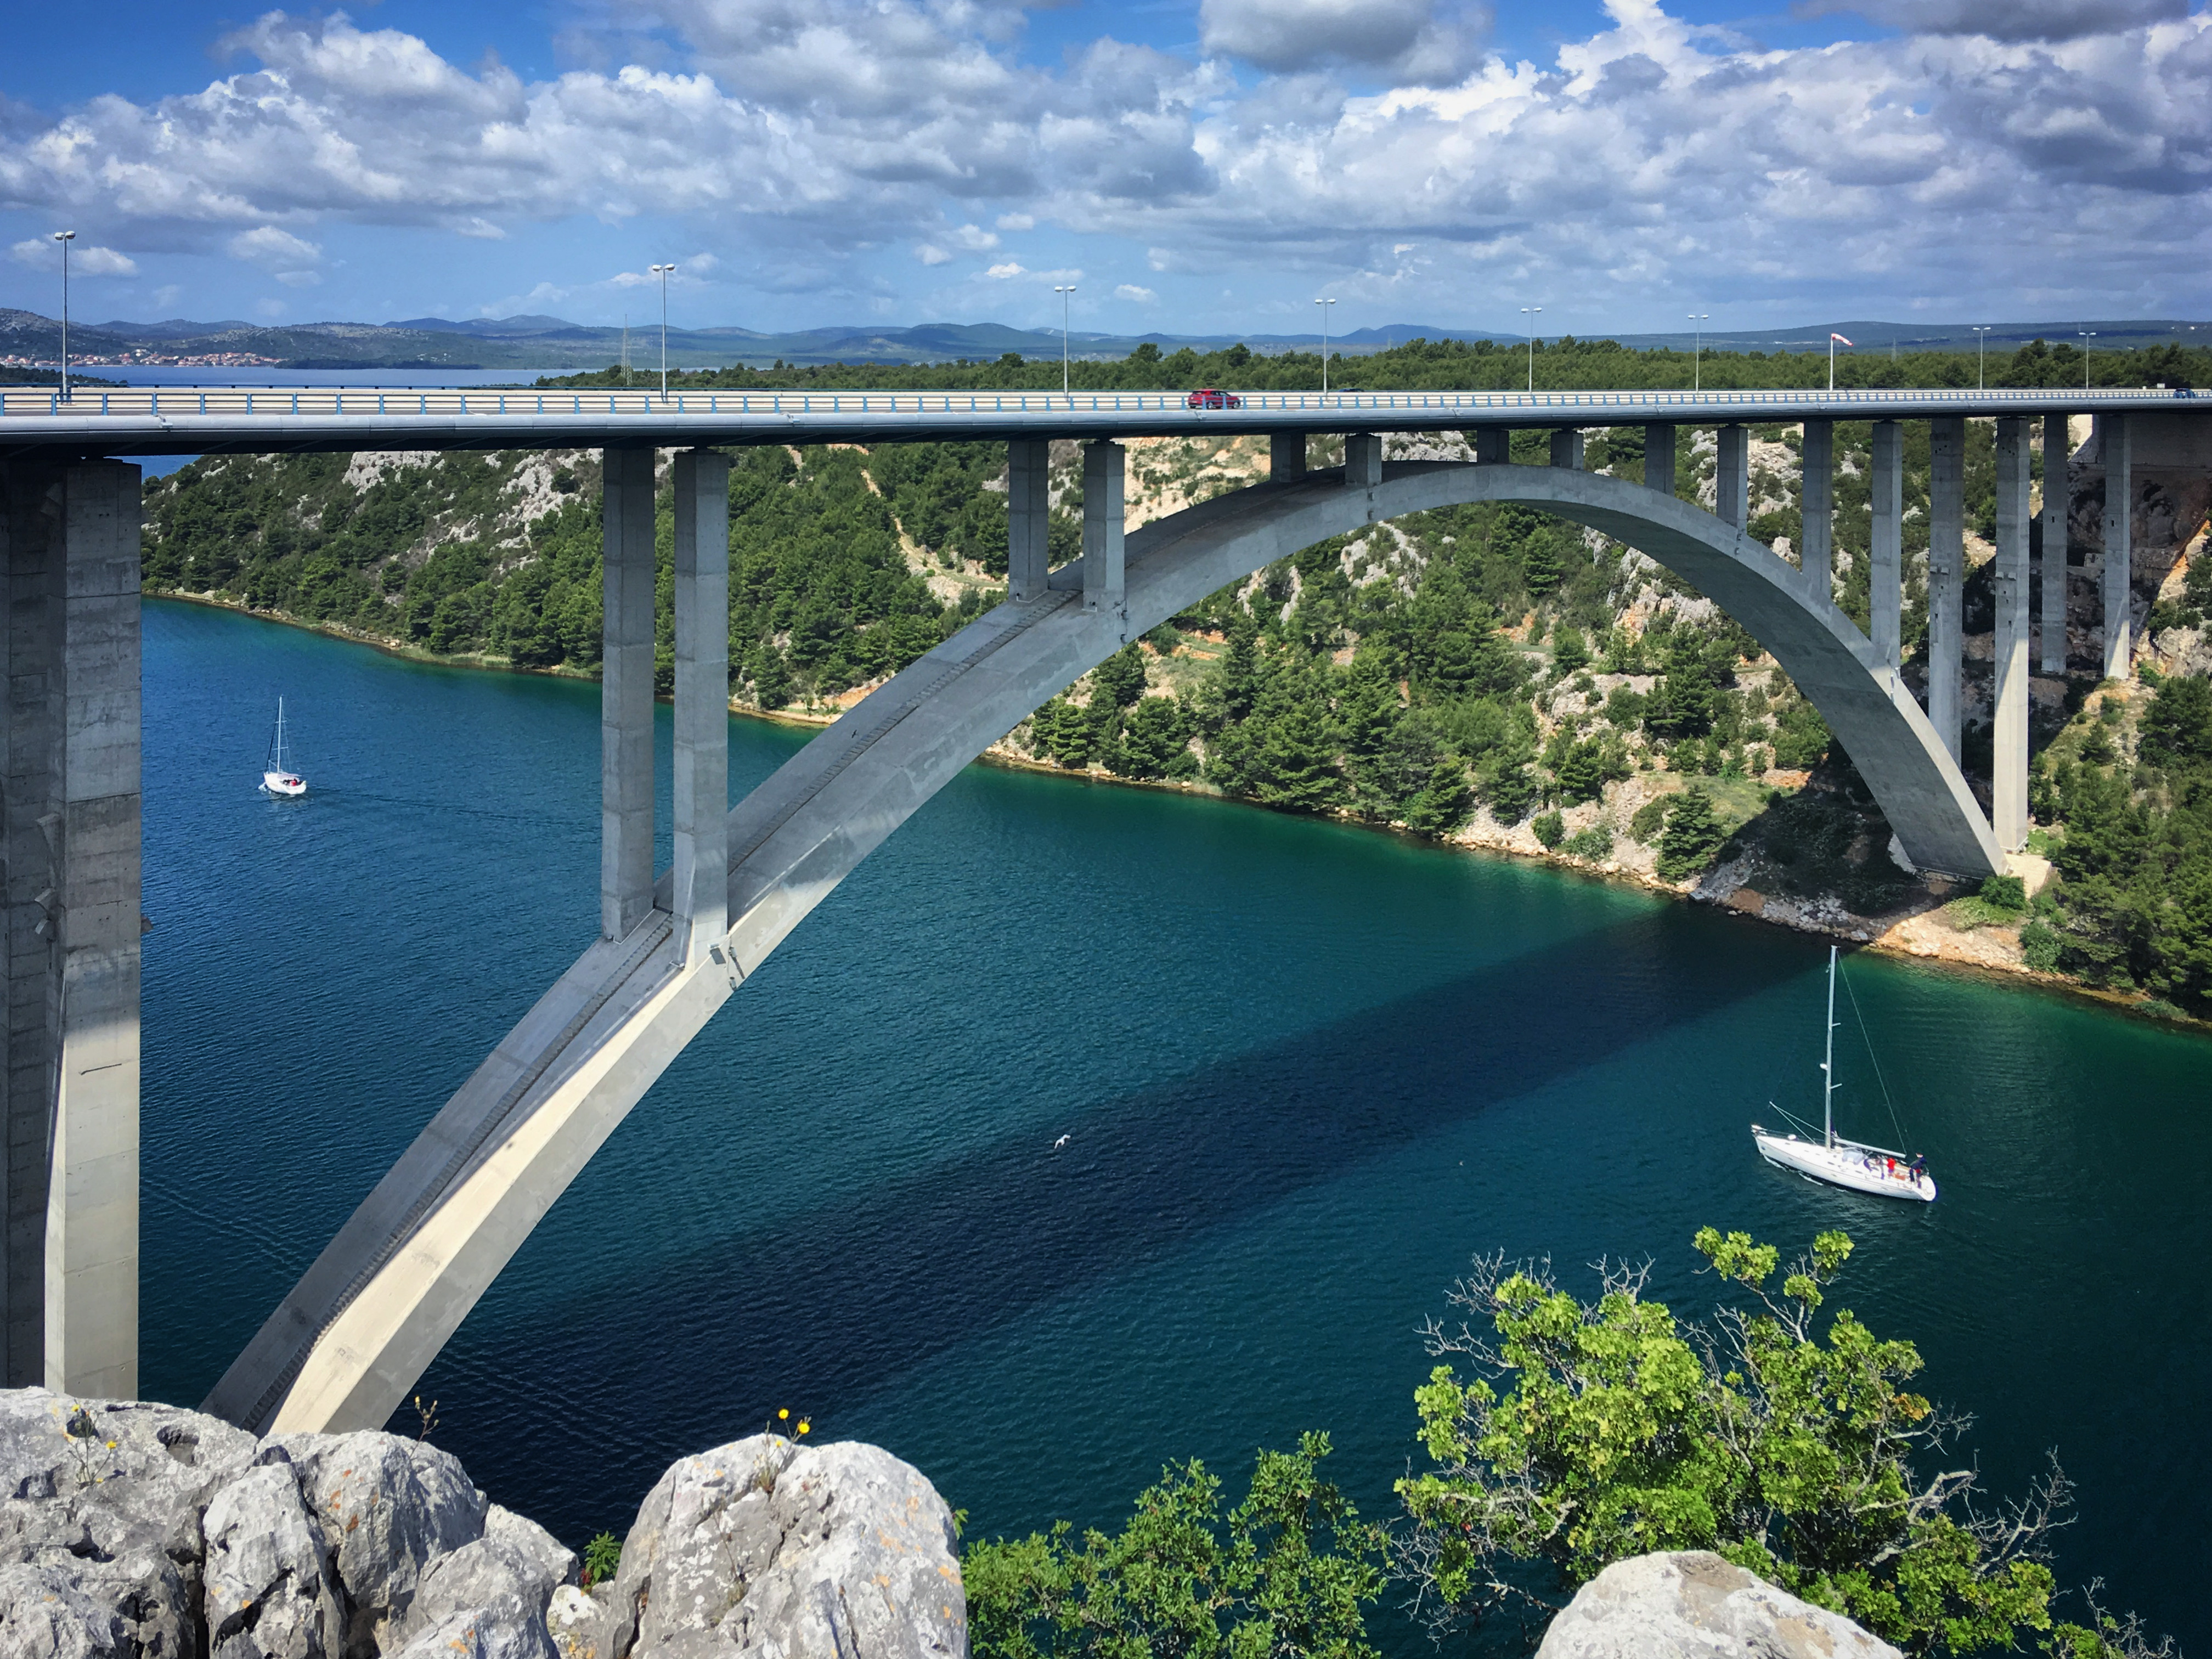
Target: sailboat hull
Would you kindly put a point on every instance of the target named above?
(283, 783)
(1847, 1165)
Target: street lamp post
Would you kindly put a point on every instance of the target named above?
(1532, 311)
(1324, 305)
(662, 271)
(1064, 302)
(1981, 350)
(2088, 335)
(65, 237)
(1698, 348)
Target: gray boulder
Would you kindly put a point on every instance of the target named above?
(580, 1621)
(1694, 1605)
(503, 1583)
(43, 1615)
(764, 1547)
(388, 1505)
(113, 1492)
(269, 1591)
(483, 1634)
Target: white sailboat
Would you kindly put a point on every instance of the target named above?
(1841, 1162)
(279, 779)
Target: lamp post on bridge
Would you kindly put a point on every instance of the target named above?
(65, 237)
(1697, 349)
(662, 271)
(2088, 335)
(1064, 303)
(1981, 348)
(1324, 305)
(1532, 311)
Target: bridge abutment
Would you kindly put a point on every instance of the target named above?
(69, 1253)
(1886, 548)
(1947, 528)
(626, 693)
(1817, 503)
(1659, 459)
(2009, 765)
(701, 879)
(2057, 488)
(2115, 444)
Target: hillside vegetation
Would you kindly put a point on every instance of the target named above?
(1481, 673)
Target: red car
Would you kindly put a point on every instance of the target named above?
(1208, 398)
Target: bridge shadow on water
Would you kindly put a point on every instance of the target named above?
(833, 1304)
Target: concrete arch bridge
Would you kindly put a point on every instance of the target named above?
(348, 1344)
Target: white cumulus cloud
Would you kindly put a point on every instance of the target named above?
(1143, 297)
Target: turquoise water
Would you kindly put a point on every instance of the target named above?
(1306, 1072)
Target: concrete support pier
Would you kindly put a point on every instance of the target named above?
(1947, 555)
(1887, 548)
(2009, 814)
(1029, 517)
(2115, 446)
(2057, 487)
(1567, 447)
(1659, 459)
(626, 694)
(1105, 584)
(1493, 445)
(701, 887)
(1732, 479)
(1286, 456)
(1362, 460)
(69, 1253)
(1817, 500)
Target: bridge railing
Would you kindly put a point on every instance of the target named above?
(368, 403)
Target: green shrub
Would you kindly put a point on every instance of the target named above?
(2006, 892)
(1551, 829)
(1648, 818)
(1692, 835)
(1594, 844)
(602, 1556)
(2039, 946)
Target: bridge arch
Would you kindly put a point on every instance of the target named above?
(354, 1336)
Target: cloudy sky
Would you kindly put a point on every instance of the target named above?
(1188, 164)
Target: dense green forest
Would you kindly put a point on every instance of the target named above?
(1483, 669)
(1557, 365)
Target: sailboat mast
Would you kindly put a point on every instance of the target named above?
(1829, 1063)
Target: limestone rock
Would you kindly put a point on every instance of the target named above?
(269, 1591)
(482, 1634)
(580, 1622)
(43, 1615)
(388, 1505)
(111, 1493)
(764, 1547)
(1694, 1605)
(556, 1558)
(505, 1580)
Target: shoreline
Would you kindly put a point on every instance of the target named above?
(1896, 936)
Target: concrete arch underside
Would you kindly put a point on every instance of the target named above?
(356, 1334)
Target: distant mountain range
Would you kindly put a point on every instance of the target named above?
(541, 344)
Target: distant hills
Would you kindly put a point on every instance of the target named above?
(541, 343)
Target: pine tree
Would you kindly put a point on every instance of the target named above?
(1692, 835)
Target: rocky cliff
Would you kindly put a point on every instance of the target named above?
(147, 1532)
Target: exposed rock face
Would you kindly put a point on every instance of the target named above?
(131, 1531)
(763, 1547)
(1694, 1605)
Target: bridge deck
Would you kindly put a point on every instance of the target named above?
(155, 421)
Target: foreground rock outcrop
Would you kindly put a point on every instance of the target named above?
(1694, 1605)
(138, 1531)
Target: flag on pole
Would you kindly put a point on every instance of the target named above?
(1838, 336)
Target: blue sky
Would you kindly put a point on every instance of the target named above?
(1190, 165)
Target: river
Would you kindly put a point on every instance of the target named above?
(1306, 1072)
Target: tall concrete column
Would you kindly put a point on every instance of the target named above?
(1659, 459)
(1286, 456)
(1493, 445)
(1104, 479)
(1946, 555)
(1029, 517)
(1886, 542)
(1817, 502)
(1567, 447)
(626, 694)
(1732, 482)
(2009, 816)
(1362, 460)
(2057, 490)
(2119, 548)
(702, 699)
(69, 1255)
